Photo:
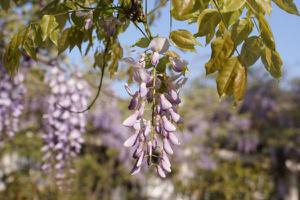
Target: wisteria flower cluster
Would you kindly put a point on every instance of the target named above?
(153, 138)
(63, 128)
(12, 92)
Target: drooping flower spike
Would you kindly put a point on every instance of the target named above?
(63, 129)
(153, 138)
(12, 91)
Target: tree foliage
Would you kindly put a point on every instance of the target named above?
(228, 25)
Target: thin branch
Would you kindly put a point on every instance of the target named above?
(99, 86)
(141, 30)
(157, 7)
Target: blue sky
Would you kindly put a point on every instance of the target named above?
(285, 27)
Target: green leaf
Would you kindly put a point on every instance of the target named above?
(231, 17)
(70, 5)
(161, 66)
(266, 5)
(251, 51)
(30, 48)
(37, 35)
(272, 61)
(232, 79)
(63, 41)
(288, 6)
(266, 32)
(207, 22)
(183, 39)
(182, 7)
(77, 38)
(221, 49)
(12, 54)
(188, 9)
(240, 30)
(226, 76)
(232, 5)
(255, 7)
(54, 36)
(48, 25)
(142, 42)
(240, 83)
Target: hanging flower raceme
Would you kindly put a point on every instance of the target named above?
(63, 129)
(153, 138)
(12, 92)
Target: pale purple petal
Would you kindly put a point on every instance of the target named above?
(168, 126)
(140, 159)
(160, 171)
(134, 102)
(165, 158)
(142, 109)
(175, 116)
(167, 146)
(143, 89)
(159, 44)
(165, 104)
(173, 138)
(131, 140)
(149, 148)
(147, 128)
(138, 150)
(135, 170)
(130, 121)
(155, 58)
(166, 166)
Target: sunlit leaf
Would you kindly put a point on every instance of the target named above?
(232, 78)
(266, 32)
(287, 5)
(221, 48)
(142, 42)
(48, 25)
(232, 5)
(240, 82)
(272, 61)
(255, 7)
(183, 39)
(207, 22)
(63, 41)
(12, 54)
(240, 30)
(30, 48)
(266, 5)
(251, 50)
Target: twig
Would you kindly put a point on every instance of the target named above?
(99, 86)
(157, 7)
(141, 30)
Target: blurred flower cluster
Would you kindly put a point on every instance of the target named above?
(12, 91)
(64, 128)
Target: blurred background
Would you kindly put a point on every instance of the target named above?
(249, 151)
